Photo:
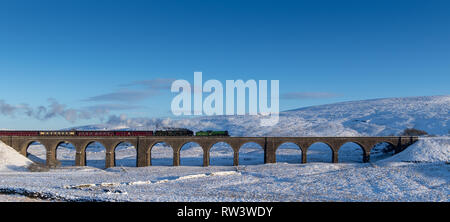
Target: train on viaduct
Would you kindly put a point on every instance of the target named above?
(144, 141)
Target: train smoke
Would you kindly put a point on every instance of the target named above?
(58, 110)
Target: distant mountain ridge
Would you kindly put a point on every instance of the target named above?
(375, 117)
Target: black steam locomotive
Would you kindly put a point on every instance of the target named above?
(174, 132)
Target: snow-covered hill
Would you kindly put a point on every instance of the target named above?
(11, 160)
(378, 117)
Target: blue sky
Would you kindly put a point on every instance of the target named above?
(69, 63)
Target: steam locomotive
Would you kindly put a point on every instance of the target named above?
(169, 132)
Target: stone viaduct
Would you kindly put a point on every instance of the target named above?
(144, 146)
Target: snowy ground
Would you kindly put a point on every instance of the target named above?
(423, 177)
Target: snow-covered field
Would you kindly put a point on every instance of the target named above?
(420, 173)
